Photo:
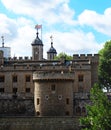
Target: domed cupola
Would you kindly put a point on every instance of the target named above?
(37, 48)
(51, 53)
(37, 41)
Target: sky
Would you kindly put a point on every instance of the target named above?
(77, 26)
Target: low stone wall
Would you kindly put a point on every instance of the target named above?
(39, 123)
(16, 107)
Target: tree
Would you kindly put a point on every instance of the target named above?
(105, 66)
(63, 55)
(98, 112)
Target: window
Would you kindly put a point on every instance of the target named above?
(80, 78)
(83, 111)
(27, 90)
(67, 100)
(27, 78)
(78, 110)
(14, 90)
(46, 97)
(38, 101)
(67, 113)
(38, 113)
(15, 78)
(60, 97)
(53, 87)
(2, 78)
(2, 90)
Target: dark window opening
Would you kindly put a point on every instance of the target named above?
(78, 111)
(14, 90)
(67, 100)
(83, 111)
(53, 87)
(27, 90)
(38, 101)
(27, 78)
(2, 90)
(14, 78)
(38, 113)
(67, 113)
(2, 78)
(80, 78)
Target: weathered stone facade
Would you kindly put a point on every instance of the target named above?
(41, 123)
(46, 87)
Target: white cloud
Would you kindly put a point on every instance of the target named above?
(47, 11)
(100, 22)
(8, 26)
(73, 42)
(21, 45)
(18, 34)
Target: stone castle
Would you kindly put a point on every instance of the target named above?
(46, 87)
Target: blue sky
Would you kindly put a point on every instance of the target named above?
(77, 26)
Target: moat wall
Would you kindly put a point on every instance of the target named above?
(39, 123)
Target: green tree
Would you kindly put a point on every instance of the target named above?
(98, 112)
(105, 66)
(63, 55)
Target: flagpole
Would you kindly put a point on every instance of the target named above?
(39, 27)
(41, 32)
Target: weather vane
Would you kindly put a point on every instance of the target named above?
(51, 37)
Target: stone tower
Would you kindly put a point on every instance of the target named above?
(53, 95)
(37, 48)
(52, 51)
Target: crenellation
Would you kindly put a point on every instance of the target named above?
(75, 56)
(92, 58)
(82, 56)
(20, 58)
(26, 58)
(89, 55)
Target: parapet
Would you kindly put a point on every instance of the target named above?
(91, 57)
(19, 58)
(53, 76)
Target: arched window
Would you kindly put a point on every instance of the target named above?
(83, 111)
(38, 113)
(78, 111)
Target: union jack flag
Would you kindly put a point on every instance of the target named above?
(38, 26)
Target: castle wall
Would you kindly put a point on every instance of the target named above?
(16, 107)
(41, 123)
(85, 84)
(64, 75)
(15, 82)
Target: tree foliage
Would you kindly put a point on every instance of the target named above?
(63, 55)
(99, 112)
(105, 66)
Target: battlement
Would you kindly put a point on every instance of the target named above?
(91, 57)
(19, 58)
(87, 56)
(53, 76)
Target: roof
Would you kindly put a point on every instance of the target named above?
(37, 41)
(52, 49)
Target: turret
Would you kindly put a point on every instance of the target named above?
(4, 49)
(37, 48)
(52, 51)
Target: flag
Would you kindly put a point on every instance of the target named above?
(38, 26)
